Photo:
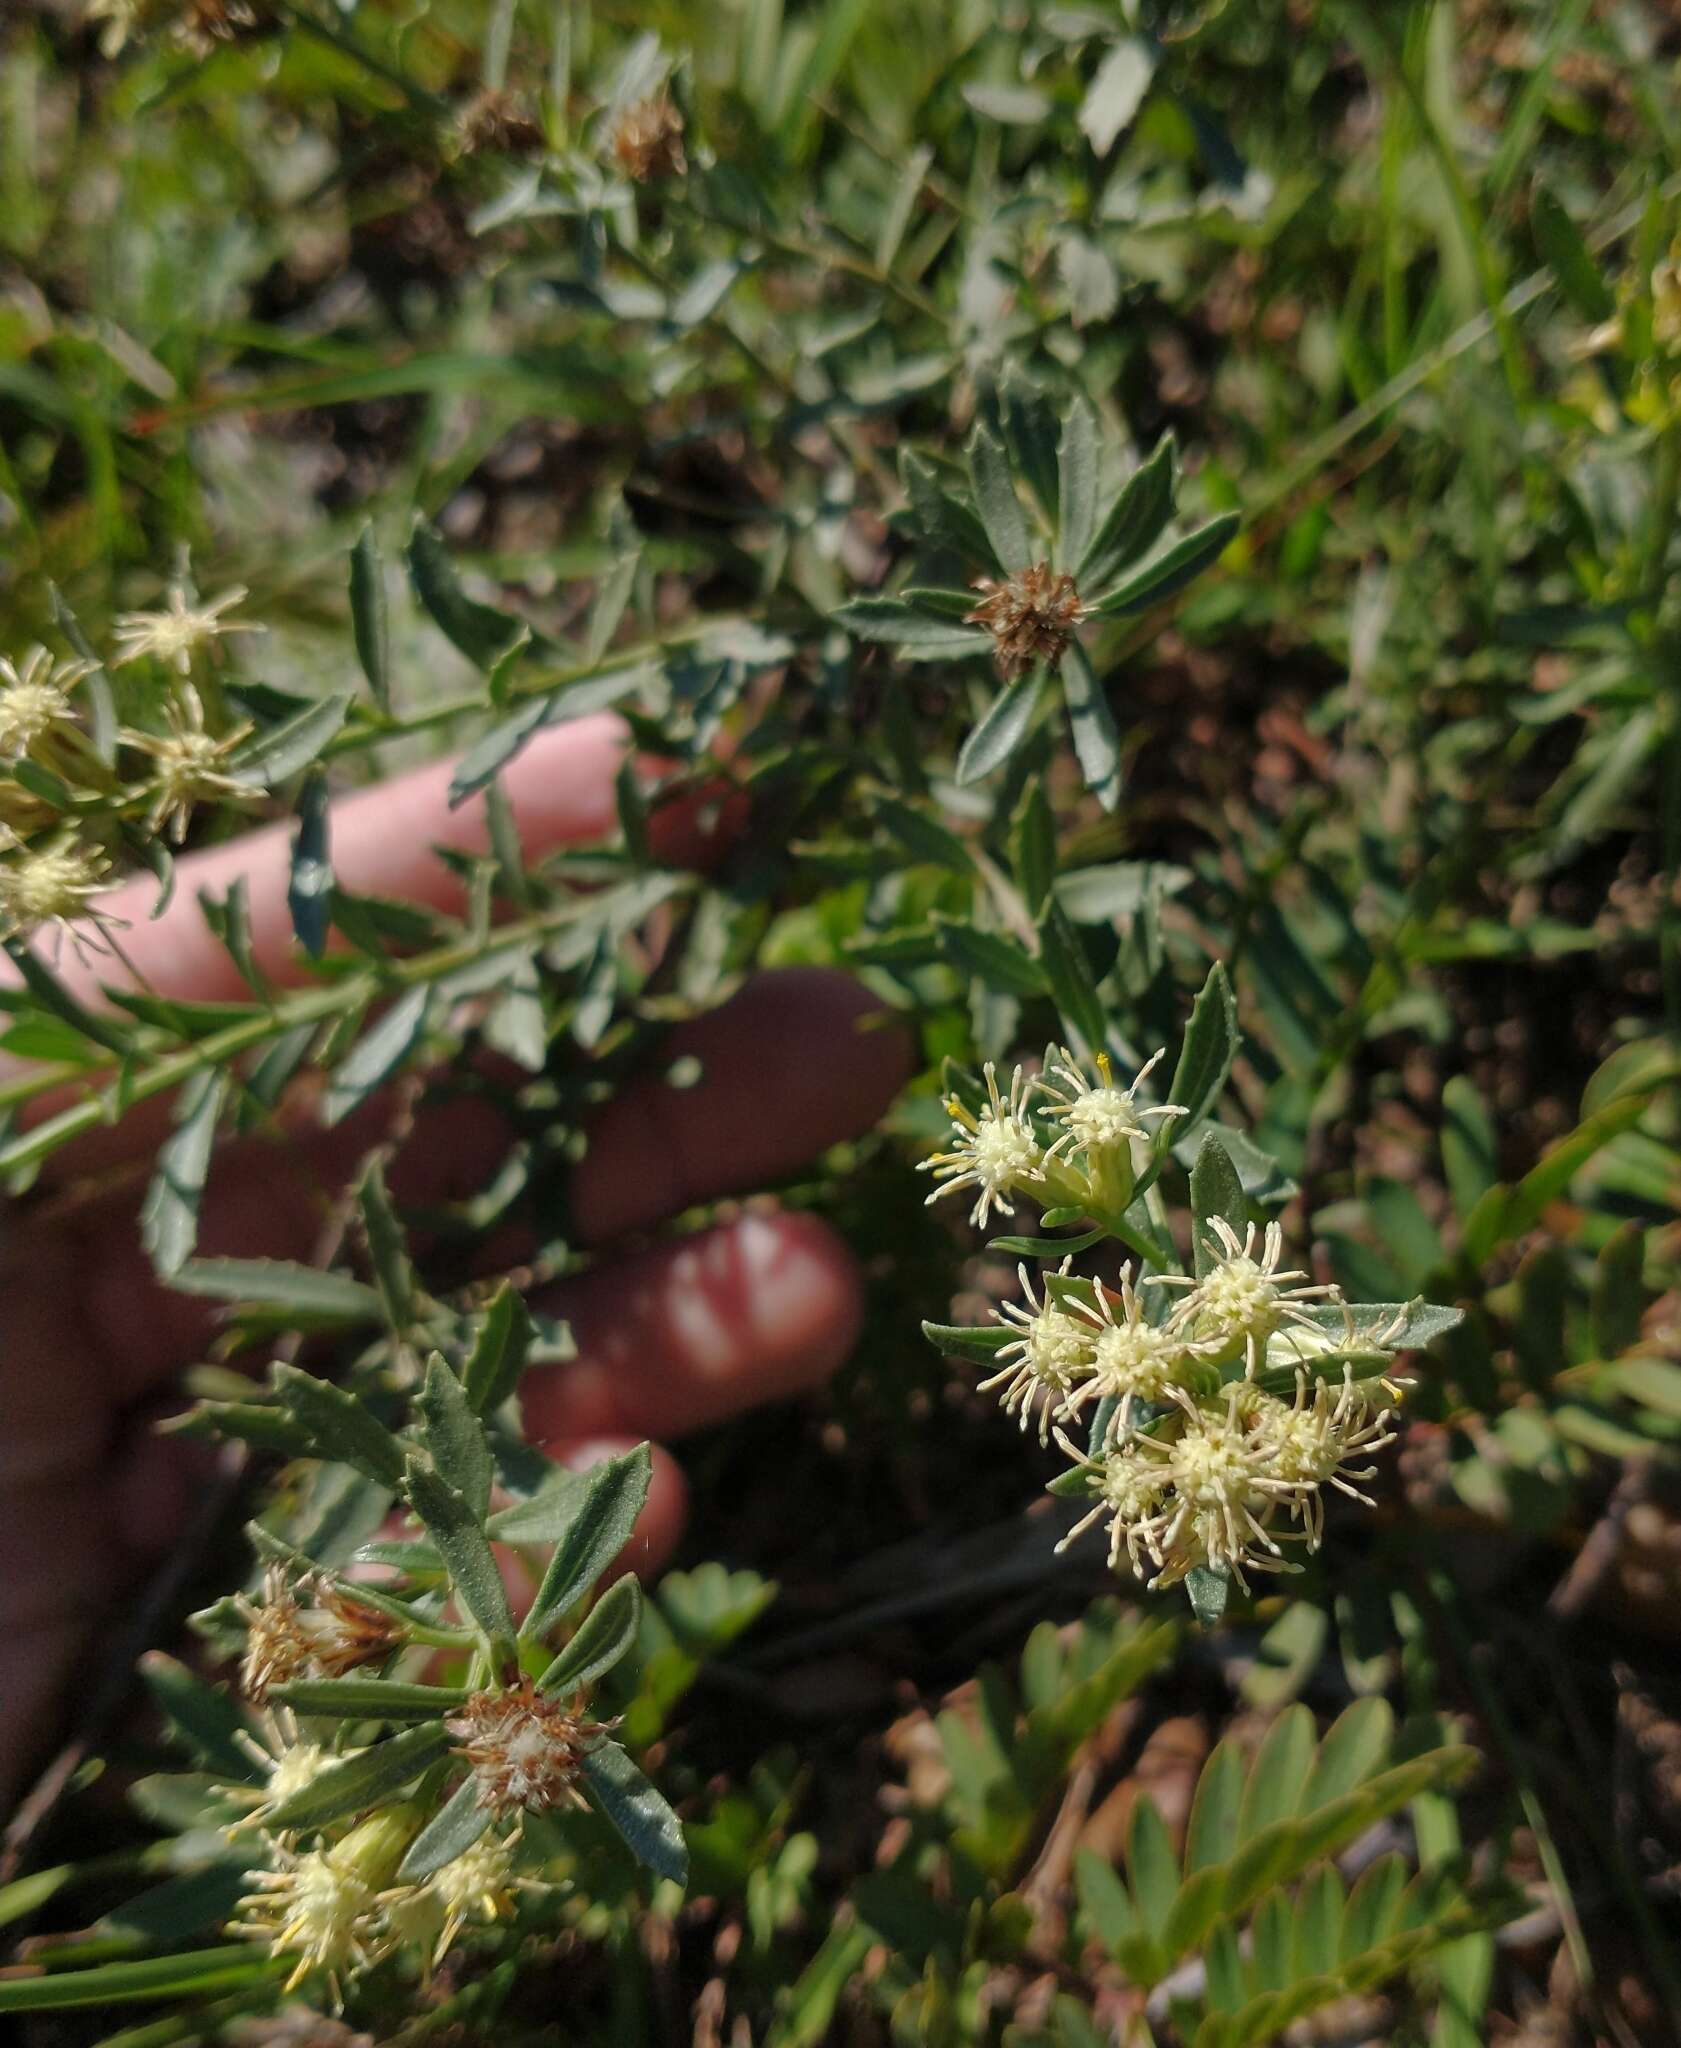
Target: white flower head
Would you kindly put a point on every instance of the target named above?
(1245, 1297)
(994, 1153)
(175, 634)
(319, 1909)
(119, 20)
(1126, 1492)
(1220, 1503)
(190, 763)
(1311, 1441)
(51, 886)
(1046, 1361)
(34, 697)
(476, 1885)
(1133, 1359)
(1097, 1116)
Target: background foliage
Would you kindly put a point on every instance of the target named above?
(1399, 282)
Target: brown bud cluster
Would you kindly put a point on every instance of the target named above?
(494, 120)
(524, 1749)
(648, 140)
(285, 1638)
(1031, 616)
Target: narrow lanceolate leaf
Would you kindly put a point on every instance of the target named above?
(498, 747)
(480, 631)
(611, 597)
(997, 961)
(362, 1780)
(1033, 846)
(1135, 520)
(651, 1830)
(319, 1299)
(1209, 1049)
(369, 625)
(393, 1275)
(275, 756)
(464, 1547)
(997, 503)
(189, 1975)
(1169, 571)
(1568, 257)
(309, 881)
(603, 1637)
(1006, 725)
(340, 1424)
(1065, 966)
(925, 633)
(978, 1342)
(1078, 456)
(940, 516)
(454, 1435)
(602, 1527)
(368, 1699)
(1097, 745)
(376, 1055)
(451, 1831)
(169, 1214)
(207, 1719)
(1216, 1191)
(498, 1356)
(1401, 1325)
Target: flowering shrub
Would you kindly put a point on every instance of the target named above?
(946, 549)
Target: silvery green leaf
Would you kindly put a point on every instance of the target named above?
(1116, 93)
(1136, 519)
(458, 1532)
(903, 625)
(1161, 575)
(169, 1214)
(1012, 106)
(387, 1254)
(1090, 278)
(369, 625)
(1097, 744)
(996, 501)
(342, 1427)
(651, 1830)
(603, 1638)
(1207, 1587)
(377, 1054)
(990, 957)
(606, 1515)
(453, 1435)
(1210, 1046)
(368, 1699)
(357, 1782)
(1079, 464)
(309, 883)
(275, 756)
(451, 1832)
(1216, 1191)
(318, 1299)
(481, 632)
(1007, 723)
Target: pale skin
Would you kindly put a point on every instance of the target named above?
(670, 1336)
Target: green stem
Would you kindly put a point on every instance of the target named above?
(308, 1006)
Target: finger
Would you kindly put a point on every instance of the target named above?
(798, 1060)
(384, 843)
(813, 1043)
(753, 1310)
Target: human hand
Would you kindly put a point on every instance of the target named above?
(668, 1338)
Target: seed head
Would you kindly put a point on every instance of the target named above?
(286, 1639)
(1031, 616)
(648, 140)
(524, 1749)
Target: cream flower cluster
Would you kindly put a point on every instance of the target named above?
(53, 880)
(1085, 1158)
(1199, 1462)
